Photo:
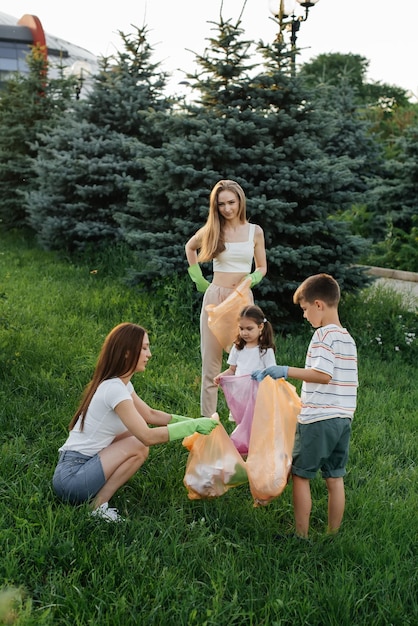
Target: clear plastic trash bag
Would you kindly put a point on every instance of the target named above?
(214, 465)
(223, 318)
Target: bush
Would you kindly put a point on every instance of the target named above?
(382, 323)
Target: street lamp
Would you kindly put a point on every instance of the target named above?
(288, 21)
(83, 72)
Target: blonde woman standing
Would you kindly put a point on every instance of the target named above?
(234, 246)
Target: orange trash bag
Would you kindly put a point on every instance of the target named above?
(223, 317)
(272, 437)
(214, 465)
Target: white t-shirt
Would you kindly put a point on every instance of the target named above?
(333, 351)
(249, 359)
(102, 424)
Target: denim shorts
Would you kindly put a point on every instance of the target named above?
(322, 445)
(77, 477)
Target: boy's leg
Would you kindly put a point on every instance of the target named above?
(336, 503)
(302, 504)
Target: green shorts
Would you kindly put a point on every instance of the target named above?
(322, 446)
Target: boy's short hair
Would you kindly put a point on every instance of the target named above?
(318, 287)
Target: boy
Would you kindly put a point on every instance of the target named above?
(328, 395)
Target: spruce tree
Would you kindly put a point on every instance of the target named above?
(386, 108)
(86, 164)
(261, 130)
(339, 69)
(396, 204)
(401, 200)
(84, 172)
(171, 201)
(29, 104)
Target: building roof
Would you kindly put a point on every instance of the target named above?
(67, 53)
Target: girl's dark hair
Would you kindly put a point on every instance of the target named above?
(266, 339)
(118, 357)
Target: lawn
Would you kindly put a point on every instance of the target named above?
(177, 561)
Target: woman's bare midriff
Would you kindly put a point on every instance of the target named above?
(229, 280)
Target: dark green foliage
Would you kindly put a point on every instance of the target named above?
(398, 250)
(387, 108)
(384, 325)
(87, 163)
(262, 131)
(350, 69)
(128, 91)
(400, 197)
(335, 69)
(223, 66)
(396, 205)
(348, 134)
(377, 128)
(29, 104)
(84, 173)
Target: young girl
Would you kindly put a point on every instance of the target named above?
(253, 346)
(109, 433)
(232, 243)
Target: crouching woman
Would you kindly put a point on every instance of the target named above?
(110, 432)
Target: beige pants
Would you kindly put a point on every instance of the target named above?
(211, 351)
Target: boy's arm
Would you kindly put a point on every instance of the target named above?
(300, 373)
(308, 375)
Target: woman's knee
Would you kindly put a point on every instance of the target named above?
(143, 453)
(140, 451)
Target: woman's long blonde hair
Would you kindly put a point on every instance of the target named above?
(118, 357)
(211, 234)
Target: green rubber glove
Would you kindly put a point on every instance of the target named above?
(202, 425)
(256, 277)
(179, 418)
(196, 275)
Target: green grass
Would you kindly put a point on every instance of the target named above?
(177, 561)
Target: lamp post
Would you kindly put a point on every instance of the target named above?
(82, 72)
(290, 22)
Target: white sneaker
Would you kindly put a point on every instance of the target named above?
(107, 513)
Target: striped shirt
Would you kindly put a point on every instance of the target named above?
(333, 351)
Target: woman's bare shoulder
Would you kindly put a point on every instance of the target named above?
(258, 230)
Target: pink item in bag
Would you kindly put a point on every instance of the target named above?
(240, 394)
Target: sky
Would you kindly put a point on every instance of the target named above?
(378, 30)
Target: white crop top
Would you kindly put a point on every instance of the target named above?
(237, 256)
